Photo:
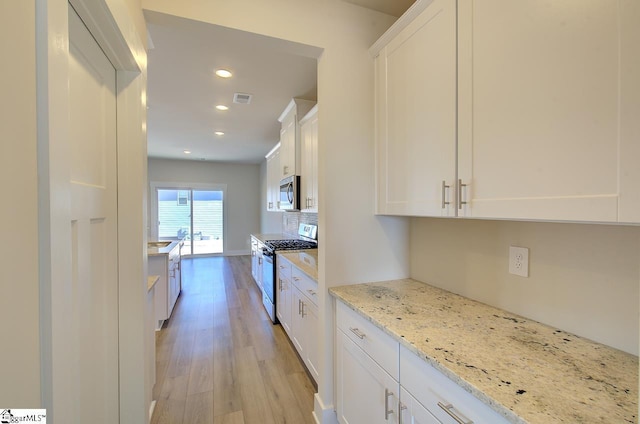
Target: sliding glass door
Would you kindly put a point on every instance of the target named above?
(193, 215)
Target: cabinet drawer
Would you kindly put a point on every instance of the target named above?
(307, 285)
(284, 268)
(430, 387)
(380, 346)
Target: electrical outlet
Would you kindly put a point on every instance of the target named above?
(519, 261)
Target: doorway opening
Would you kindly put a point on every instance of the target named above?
(194, 215)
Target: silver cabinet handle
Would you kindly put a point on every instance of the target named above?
(269, 205)
(311, 292)
(402, 407)
(358, 333)
(296, 279)
(460, 202)
(280, 282)
(444, 197)
(302, 312)
(387, 411)
(448, 409)
(299, 307)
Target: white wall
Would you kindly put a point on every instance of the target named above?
(270, 221)
(19, 314)
(242, 202)
(347, 227)
(583, 278)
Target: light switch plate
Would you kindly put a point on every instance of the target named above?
(519, 261)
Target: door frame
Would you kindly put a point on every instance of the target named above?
(153, 207)
(112, 25)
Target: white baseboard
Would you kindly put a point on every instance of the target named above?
(323, 414)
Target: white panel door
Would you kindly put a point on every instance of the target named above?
(540, 109)
(93, 298)
(416, 116)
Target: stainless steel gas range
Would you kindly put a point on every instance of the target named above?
(307, 239)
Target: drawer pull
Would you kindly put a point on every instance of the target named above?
(401, 407)
(311, 292)
(387, 411)
(448, 409)
(358, 333)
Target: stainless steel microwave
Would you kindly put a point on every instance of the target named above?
(290, 193)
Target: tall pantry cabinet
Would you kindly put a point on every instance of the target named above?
(514, 110)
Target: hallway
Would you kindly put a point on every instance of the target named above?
(219, 358)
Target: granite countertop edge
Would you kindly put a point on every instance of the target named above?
(479, 393)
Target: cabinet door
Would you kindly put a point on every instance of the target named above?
(273, 180)
(283, 302)
(412, 412)
(310, 331)
(546, 93)
(416, 116)
(297, 324)
(309, 159)
(288, 146)
(365, 392)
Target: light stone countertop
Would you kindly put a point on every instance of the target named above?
(151, 281)
(526, 371)
(306, 260)
(159, 251)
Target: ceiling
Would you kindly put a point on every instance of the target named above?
(183, 90)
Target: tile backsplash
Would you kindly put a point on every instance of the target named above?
(291, 220)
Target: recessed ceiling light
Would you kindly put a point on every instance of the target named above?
(223, 73)
(187, 152)
(220, 133)
(222, 107)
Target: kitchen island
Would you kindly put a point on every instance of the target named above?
(525, 371)
(164, 260)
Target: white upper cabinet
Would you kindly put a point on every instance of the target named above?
(290, 136)
(273, 178)
(542, 128)
(547, 98)
(416, 115)
(309, 159)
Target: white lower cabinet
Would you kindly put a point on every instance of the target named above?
(283, 294)
(380, 381)
(412, 411)
(366, 393)
(304, 319)
(167, 290)
(297, 311)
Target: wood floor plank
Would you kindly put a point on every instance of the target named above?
(219, 359)
(255, 402)
(232, 418)
(198, 408)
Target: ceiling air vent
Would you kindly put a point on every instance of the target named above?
(242, 98)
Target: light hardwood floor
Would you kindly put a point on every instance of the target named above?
(220, 360)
